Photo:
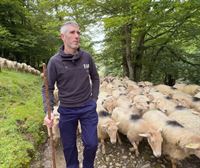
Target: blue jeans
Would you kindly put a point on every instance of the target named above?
(88, 118)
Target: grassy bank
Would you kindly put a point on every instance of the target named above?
(21, 117)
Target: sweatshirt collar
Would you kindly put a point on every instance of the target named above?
(69, 57)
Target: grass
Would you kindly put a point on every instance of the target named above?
(21, 118)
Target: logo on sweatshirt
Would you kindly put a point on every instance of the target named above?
(86, 66)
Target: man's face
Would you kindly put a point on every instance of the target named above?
(71, 38)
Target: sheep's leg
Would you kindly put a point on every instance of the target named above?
(134, 143)
(103, 146)
(173, 162)
(135, 148)
(119, 139)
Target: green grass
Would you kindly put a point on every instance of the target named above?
(21, 118)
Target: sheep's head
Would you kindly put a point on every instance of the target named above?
(111, 128)
(155, 141)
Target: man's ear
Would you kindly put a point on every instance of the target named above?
(62, 36)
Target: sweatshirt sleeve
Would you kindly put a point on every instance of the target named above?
(94, 79)
(51, 75)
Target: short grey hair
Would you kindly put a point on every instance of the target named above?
(63, 28)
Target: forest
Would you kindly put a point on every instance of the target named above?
(145, 40)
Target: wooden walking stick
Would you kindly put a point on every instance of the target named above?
(49, 114)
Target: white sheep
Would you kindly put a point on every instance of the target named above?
(109, 104)
(135, 127)
(55, 127)
(197, 95)
(166, 105)
(188, 118)
(55, 93)
(107, 128)
(191, 89)
(183, 98)
(141, 102)
(139, 128)
(121, 115)
(179, 142)
(164, 89)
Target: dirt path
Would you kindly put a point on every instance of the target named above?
(117, 156)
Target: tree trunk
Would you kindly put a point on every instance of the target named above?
(139, 51)
(127, 34)
(124, 62)
(125, 66)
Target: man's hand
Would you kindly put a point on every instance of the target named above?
(49, 122)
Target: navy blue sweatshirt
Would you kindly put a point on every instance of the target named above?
(76, 77)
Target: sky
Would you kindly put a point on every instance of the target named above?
(96, 32)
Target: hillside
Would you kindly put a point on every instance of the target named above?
(21, 118)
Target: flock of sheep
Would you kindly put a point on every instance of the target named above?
(13, 65)
(169, 117)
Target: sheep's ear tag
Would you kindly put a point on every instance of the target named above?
(144, 135)
(192, 146)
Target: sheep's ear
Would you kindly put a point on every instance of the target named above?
(193, 146)
(117, 123)
(145, 135)
(104, 127)
(150, 97)
(160, 130)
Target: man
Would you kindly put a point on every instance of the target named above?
(75, 74)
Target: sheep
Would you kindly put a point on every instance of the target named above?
(197, 95)
(2, 62)
(123, 101)
(55, 93)
(56, 130)
(107, 128)
(130, 85)
(109, 104)
(141, 102)
(9, 64)
(186, 100)
(119, 91)
(191, 89)
(179, 142)
(55, 127)
(188, 118)
(139, 128)
(121, 115)
(135, 127)
(153, 94)
(164, 89)
(24, 67)
(145, 83)
(107, 87)
(165, 104)
(179, 86)
(13, 65)
(134, 92)
(196, 104)
(183, 98)
(101, 99)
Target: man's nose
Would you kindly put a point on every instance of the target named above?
(77, 34)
